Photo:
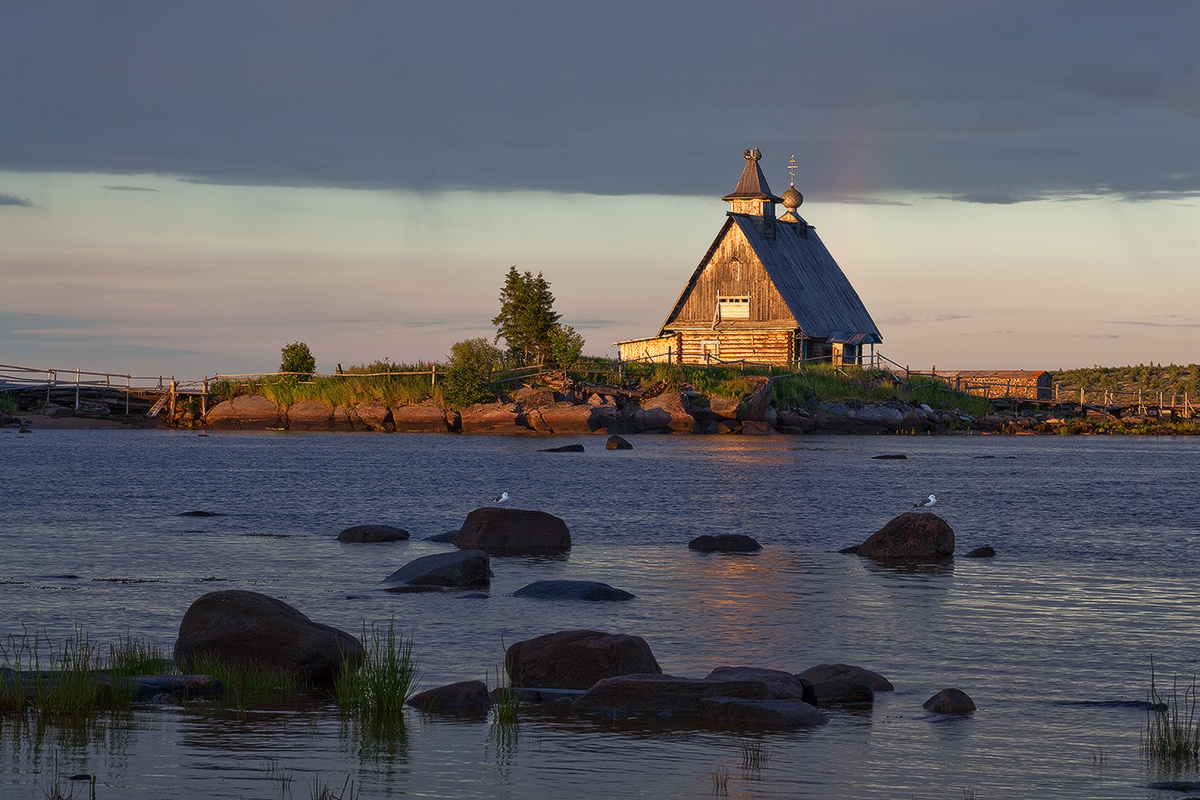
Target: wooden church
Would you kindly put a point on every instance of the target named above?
(767, 291)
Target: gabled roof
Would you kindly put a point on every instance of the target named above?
(813, 286)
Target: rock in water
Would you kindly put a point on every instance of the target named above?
(460, 697)
(572, 590)
(247, 628)
(616, 442)
(466, 569)
(577, 659)
(913, 536)
(373, 533)
(724, 543)
(513, 531)
(950, 701)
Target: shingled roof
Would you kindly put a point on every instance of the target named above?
(753, 184)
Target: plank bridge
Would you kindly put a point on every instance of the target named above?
(88, 391)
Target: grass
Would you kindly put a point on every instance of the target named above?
(320, 791)
(52, 679)
(387, 677)
(720, 780)
(755, 755)
(1172, 733)
(244, 684)
(506, 701)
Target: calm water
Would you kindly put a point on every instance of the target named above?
(1096, 573)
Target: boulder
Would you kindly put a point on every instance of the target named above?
(375, 416)
(649, 420)
(577, 659)
(617, 443)
(513, 531)
(912, 536)
(343, 420)
(565, 418)
(148, 688)
(823, 673)
(722, 408)
(757, 427)
(950, 701)
(724, 543)
(531, 398)
(760, 713)
(373, 533)
(759, 400)
(244, 628)
(843, 684)
(661, 695)
(419, 419)
(675, 405)
(982, 552)
(310, 415)
(494, 418)
(246, 411)
(781, 685)
(566, 448)
(454, 697)
(572, 590)
(467, 569)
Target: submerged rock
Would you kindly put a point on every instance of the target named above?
(454, 697)
(760, 713)
(724, 543)
(373, 533)
(661, 695)
(572, 590)
(982, 552)
(616, 442)
(950, 701)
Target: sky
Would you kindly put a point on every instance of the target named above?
(185, 188)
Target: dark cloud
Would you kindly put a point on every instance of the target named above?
(11, 200)
(128, 189)
(989, 101)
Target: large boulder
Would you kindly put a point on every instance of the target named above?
(494, 418)
(310, 415)
(577, 659)
(373, 533)
(678, 409)
(661, 695)
(419, 419)
(374, 416)
(912, 536)
(572, 590)
(566, 418)
(246, 411)
(513, 531)
(464, 569)
(245, 629)
(724, 543)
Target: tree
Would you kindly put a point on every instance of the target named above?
(298, 358)
(526, 315)
(469, 372)
(566, 346)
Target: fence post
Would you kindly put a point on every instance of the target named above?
(49, 380)
(433, 375)
(204, 399)
(77, 388)
(127, 395)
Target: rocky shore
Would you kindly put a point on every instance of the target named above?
(582, 408)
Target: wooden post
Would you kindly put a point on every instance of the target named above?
(49, 380)
(172, 396)
(127, 395)
(433, 375)
(204, 399)
(76, 388)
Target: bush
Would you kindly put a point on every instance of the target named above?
(298, 358)
(469, 372)
(566, 346)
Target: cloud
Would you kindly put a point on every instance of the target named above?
(10, 200)
(1152, 324)
(128, 189)
(1094, 336)
(1044, 100)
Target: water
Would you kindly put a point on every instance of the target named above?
(1095, 576)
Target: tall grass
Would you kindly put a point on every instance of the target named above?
(246, 684)
(1172, 733)
(387, 677)
(506, 700)
(52, 679)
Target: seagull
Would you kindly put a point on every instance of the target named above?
(926, 504)
(501, 500)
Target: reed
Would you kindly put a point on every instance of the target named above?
(50, 679)
(506, 700)
(320, 791)
(245, 683)
(387, 677)
(755, 755)
(1172, 733)
(720, 780)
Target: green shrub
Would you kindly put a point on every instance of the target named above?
(469, 372)
(8, 405)
(296, 357)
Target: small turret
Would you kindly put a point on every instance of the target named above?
(752, 195)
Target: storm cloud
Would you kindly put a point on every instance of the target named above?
(983, 102)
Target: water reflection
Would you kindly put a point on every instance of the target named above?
(375, 738)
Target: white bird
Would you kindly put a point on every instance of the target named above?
(926, 504)
(501, 500)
